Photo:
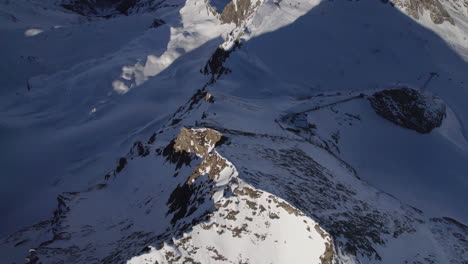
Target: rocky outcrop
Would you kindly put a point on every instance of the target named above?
(215, 65)
(197, 141)
(201, 143)
(252, 219)
(410, 108)
(416, 8)
(238, 10)
(157, 23)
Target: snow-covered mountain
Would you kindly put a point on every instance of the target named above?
(243, 131)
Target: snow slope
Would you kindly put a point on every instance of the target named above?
(339, 53)
(86, 121)
(283, 159)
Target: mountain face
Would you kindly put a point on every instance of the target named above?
(244, 131)
(98, 7)
(109, 8)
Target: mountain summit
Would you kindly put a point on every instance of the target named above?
(243, 131)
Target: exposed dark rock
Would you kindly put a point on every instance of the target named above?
(110, 8)
(293, 130)
(157, 23)
(145, 250)
(125, 5)
(62, 208)
(152, 139)
(179, 158)
(215, 65)
(139, 149)
(222, 141)
(21, 242)
(200, 94)
(179, 201)
(121, 165)
(89, 7)
(409, 108)
(175, 121)
(185, 199)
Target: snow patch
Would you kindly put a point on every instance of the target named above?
(33, 32)
(120, 87)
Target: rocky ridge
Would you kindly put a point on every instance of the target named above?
(210, 181)
(417, 8)
(242, 214)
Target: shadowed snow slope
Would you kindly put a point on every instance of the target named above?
(335, 47)
(302, 132)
